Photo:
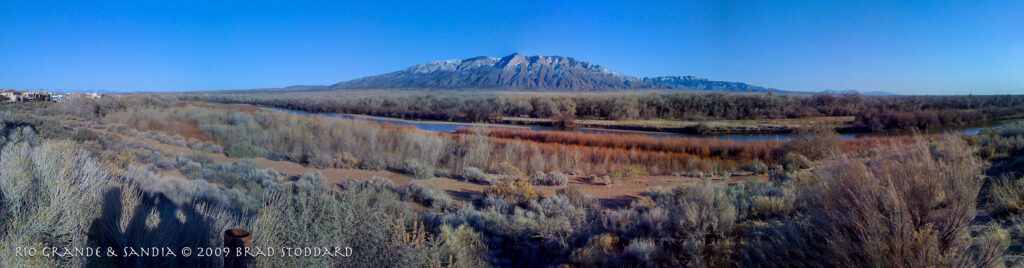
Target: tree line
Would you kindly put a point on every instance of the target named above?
(871, 113)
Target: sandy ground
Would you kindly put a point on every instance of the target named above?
(616, 195)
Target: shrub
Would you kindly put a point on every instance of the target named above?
(85, 134)
(116, 162)
(443, 173)
(48, 195)
(320, 159)
(518, 192)
(1007, 195)
(244, 176)
(706, 214)
(322, 218)
(643, 202)
(464, 246)
(213, 148)
(701, 219)
(566, 120)
(123, 130)
(770, 205)
(245, 149)
(934, 188)
(508, 169)
(419, 171)
(554, 178)
(195, 145)
(990, 247)
(795, 161)
(345, 160)
(629, 171)
(600, 251)
(643, 250)
(815, 143)
(419, 194)
(373, 163)
(756, 167)
(167, 138)
(182, 192)
(476, 175)
(134, 217)
(607, 179)
(311, 182)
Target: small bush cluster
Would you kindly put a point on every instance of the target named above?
(1007, 195)
(517, 192)
(795, 161)
(554, 178)
(39, 185)
(934, 185)
(167, 138)
(418, 170)
(508, 169)
(323, 218)
(475, 175)
(345, 160)
(756, 167)
(245, 149)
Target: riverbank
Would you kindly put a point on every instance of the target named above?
(703, 128)
(736, 130)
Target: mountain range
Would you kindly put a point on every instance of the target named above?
(514, 72)
(529, 73)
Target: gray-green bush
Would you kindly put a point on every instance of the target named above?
(418, 170)
(554, 178)
(476, 175)
(39, 184)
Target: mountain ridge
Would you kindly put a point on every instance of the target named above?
(693, 82)
(536, 73)
(514, 71)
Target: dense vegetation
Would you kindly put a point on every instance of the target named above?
(908, 202)
(871, 113)
(331, 142)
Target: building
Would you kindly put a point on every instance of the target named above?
(10, 95)
(60, 97)
(93, 95)
(35, 96)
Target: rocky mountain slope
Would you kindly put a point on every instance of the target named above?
(515, 72)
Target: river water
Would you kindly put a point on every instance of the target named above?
(442, 126)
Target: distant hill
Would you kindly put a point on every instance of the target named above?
(691, 82)
(850, 91)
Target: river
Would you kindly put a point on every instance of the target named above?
(443, 126)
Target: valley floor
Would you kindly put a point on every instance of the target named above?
(614, 196)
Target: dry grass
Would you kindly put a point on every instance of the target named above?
(702, 147)
(316, 140)
(1007, 195)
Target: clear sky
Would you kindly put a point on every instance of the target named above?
(910, 47)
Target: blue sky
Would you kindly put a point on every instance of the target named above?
(910, 47)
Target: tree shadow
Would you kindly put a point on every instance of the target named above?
(617, 202)
(170, 228)
(463, 194)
